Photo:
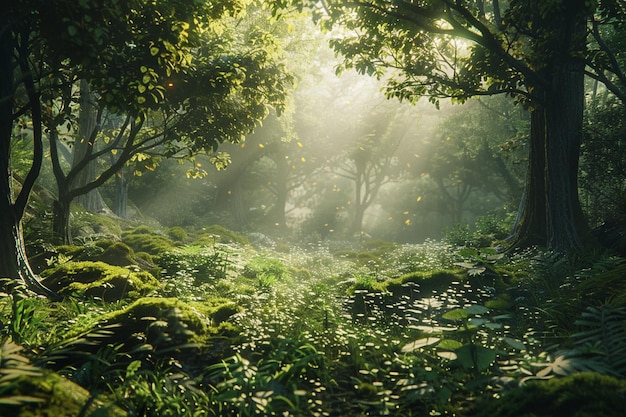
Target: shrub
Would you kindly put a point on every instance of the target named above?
(579, 395)
(267, 271)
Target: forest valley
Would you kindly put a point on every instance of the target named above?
(313, 208)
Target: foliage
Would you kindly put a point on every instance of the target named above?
(279, 382)
(580, 395)
(486, 231)
(266, 271)
(14, 366)
(224, 235)
(203, 264)
(413, 335)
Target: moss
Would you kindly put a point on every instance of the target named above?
(180, 316)
(427, 282)
(218, 309)
(380, 247)
(141, 241)
(578, 395)
(196, 316)
(360, 258)
(98, 279)
(177, 233)
(60, 398)
(120, 254)
(86, 225)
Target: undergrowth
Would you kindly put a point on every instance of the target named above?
(379, 329)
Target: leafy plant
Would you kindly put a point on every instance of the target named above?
(14, 366)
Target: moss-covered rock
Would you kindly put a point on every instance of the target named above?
(177, 233)
(56, 397)
(87, 226)
(154, 328)
(157, 321)
(578, 395)
(98, 279)
(143, 239)
(170, 318)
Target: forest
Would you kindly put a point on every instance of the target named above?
(299, 208)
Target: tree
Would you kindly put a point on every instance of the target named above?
(466, 154)
(537, 51)
(369, 162)
(221, 95)
(125, 50)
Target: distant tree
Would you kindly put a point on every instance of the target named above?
(537, 51)
(369, 162)
(603, 162)
(470, 151)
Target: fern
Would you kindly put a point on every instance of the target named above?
(604, 336)
(13, 367)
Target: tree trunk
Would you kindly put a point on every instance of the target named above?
(120, 205)
(87, 123)
(13, 261)
(61, 206)
(61, 221)
(551, 214)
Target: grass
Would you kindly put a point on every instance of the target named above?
(378, 329)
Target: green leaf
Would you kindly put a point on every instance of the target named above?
(514, 343)
(448, 344)
(474, 356)
(419, 343)
(476, 309)
(468, 252)
(456, 314)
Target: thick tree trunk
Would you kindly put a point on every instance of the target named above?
(551, 214)
(530, 229)
(567, 227)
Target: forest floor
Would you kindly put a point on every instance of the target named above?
(217, 324)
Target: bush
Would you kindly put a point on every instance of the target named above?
(201, 263)
(578, 395)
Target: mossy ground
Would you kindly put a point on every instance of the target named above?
(57, 397)
(99, 279)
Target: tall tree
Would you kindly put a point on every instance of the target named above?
(535, 50)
